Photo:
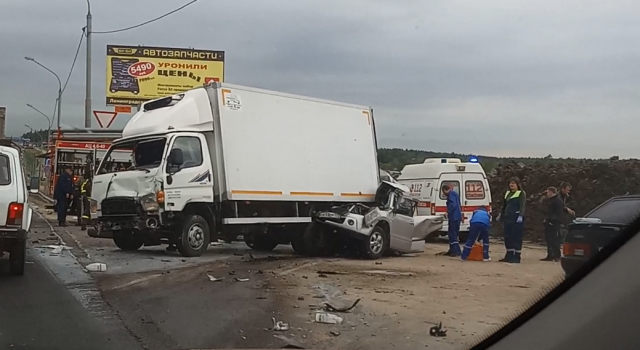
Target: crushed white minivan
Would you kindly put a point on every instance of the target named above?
(15, 213)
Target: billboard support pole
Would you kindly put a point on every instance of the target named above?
(87, 100)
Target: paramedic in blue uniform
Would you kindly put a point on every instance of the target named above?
(512, 217)
(454, 216)
(478, 231)
(63, 194)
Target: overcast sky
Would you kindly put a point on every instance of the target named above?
(490, 77)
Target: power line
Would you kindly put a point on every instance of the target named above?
(147, 22)
(74, 60)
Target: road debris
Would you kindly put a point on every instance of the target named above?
(327, 318)
(279, 325)
(332, 308)
(437, 331)
(388, 273)
(291, 344)
(97, 267)
(238, 279)
(335, 333)
(325, 272)
(214, 279)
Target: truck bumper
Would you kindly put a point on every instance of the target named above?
(19, 234)
(96, 232)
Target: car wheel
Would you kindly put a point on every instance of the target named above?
(375, 246)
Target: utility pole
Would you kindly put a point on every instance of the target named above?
(87, 99)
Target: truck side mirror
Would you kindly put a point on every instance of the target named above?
(34, 185)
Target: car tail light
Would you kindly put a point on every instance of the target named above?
(14, 215)
(576, 249)
(433, 209)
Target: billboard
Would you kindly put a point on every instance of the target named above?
(136, 74)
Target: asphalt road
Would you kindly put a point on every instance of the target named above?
(55, 306)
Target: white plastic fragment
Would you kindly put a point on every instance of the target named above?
(97, 267)
(325, 317)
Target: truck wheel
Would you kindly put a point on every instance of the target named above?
(297, 243)
(17, 257)
(195, 236)
(262, 243)
(374, 246)
(314, 240)
(127, 242)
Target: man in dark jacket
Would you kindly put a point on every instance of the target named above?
(63, 193)
(552, 224)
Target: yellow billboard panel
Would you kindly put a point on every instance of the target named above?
(136, 74)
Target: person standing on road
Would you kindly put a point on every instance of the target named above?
(478, 230)
(63, 194)
(85, 195)
(454, 216)
(512, 217)
(565, 189)
(552, 221)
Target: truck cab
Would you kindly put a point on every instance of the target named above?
(15, 212)
(468, 179)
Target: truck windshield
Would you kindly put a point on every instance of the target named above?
(139, 154)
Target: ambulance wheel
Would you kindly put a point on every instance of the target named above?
(262, 243)
(462, 237)
(127, 242)
(17, 257)
(375, 246)
(195, 236)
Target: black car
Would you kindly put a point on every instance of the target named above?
(588, 235)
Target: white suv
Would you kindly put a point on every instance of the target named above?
(15, 213)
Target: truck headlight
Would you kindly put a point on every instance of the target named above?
(149, 202)
(93, 205)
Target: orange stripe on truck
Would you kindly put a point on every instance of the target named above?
(348, 194)
(311, 193)
(264, 193)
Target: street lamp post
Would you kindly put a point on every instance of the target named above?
(59, 86)
(87, 98)
(34, 132)
(49, 136)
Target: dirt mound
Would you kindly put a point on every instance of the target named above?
(593, 182)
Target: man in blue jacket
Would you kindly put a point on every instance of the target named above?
(454, 216)
(63, 193)
(478, 230)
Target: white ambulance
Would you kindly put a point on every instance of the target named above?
(468, 179)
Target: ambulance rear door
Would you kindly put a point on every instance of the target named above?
(454, 181)
(475, 195)
(422, 189)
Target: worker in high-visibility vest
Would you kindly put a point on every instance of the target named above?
(512, 217)
(85, 195)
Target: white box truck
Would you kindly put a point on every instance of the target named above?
(226, 160)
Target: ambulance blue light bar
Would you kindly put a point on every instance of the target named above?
(473, 160)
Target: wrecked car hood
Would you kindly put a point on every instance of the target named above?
(131, 183)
